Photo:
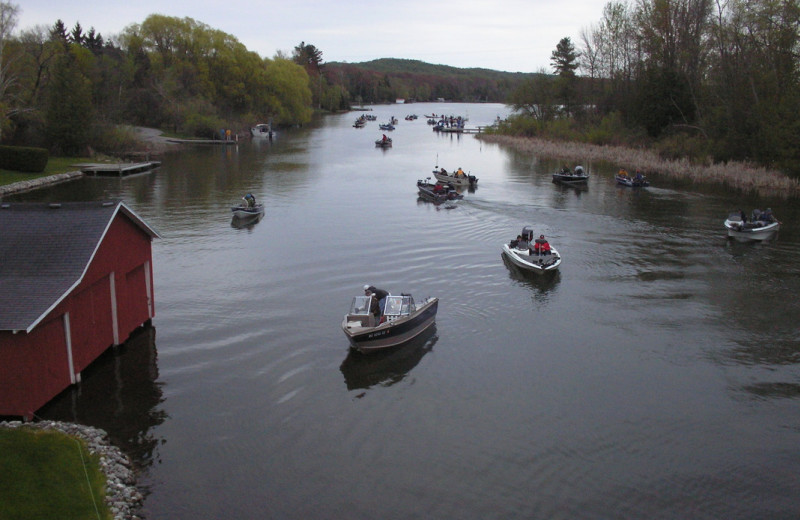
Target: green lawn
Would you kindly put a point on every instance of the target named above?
(42, 476)
(54, 166)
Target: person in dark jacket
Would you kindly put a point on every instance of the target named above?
(379, 297)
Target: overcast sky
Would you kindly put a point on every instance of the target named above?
(510, 35)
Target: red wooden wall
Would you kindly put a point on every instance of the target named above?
(34, 367)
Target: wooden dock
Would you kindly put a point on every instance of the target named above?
(456, 130)
(118, 169)
(204, 141)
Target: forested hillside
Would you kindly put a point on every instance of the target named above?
(386, 80)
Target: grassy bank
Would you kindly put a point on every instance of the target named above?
(55, 165)
(46, 474)
(739, 176)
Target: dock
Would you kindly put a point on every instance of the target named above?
(204, 141)
(460, 130)
(118, 169)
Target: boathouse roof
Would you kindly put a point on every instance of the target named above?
(45, 251)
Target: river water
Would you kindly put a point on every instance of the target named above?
(656, 376)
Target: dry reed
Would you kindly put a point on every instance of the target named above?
(741, 176)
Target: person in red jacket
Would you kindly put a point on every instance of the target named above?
(541, 246)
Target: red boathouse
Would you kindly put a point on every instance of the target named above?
(75, 279)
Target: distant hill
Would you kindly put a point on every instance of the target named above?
(388, 79)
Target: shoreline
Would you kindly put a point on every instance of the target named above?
(121, 495)
(741, 176)
(39, 182)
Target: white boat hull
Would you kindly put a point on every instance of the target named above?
(534, 263)
(739, 232)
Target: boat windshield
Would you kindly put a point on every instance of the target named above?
(360, 305)
(398, 305)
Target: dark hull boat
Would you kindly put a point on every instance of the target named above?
(577, 176)
(401, 320)
(637, 181)
(247, 212)
(437, 192)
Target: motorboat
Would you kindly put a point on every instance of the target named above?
(761, 227)
(437, 192)
(248, 209)
(525, 254)
(457, 178)
(384, 143)
(244, 211)
(637, 181)
(401, 320)
(575, 176)
(386, 126)
(261, 131)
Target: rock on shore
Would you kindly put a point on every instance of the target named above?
(122, 497)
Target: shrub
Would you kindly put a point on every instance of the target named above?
(23, 159)
(198, 125)
(115, 139)
(683, 146)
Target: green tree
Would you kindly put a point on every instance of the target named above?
(288, 94)
(564, 60)
(536, 97)
(69, 113)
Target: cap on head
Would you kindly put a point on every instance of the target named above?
(366, 287)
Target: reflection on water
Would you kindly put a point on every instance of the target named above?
(119, 393)
(659, 358)
(247, 223)
(540, 283)
(388, 367)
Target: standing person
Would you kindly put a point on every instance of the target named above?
(380, 296)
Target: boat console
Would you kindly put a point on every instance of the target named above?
(360, 315)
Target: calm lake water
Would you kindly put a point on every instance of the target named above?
(656, 376)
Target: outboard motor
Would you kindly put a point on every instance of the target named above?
(579, 170)
(527, 234)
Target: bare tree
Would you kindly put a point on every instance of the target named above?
(8, 22)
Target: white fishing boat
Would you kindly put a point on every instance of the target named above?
(760, 227)
(261, 131)
(532, 255)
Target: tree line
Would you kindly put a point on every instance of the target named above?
(69, 89)
(717, 80)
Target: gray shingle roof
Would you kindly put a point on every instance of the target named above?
(45, 250)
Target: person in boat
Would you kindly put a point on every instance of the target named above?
(379, 300)
(443, 171)
(384, 138)
(249, 200)
(514, 243)
(743, 216)
(623, 173)
(756, 215)
(460, 172)
(540, 246)
(767, 216)
(638, 177)
(438, 188)
(565, 170)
